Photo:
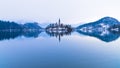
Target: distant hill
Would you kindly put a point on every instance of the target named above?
(13, 26)
(106, 21)
(31, 26)
(5, 25)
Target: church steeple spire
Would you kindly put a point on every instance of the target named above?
(59, 21)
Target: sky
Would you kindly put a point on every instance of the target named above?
(70, 11)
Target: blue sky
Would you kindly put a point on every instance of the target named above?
(70, 11)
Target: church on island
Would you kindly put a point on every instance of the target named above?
(58, 27)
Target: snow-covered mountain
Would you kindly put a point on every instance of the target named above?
(99, 29)
(103, 23)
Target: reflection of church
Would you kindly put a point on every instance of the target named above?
(58, 29)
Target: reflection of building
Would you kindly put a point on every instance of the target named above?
(58, 34)
(58, 29)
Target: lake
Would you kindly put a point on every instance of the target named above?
(70, 51)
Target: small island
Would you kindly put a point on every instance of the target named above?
(58, 29)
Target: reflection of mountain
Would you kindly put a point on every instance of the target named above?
(9, 35)
(33, 34)
(108, 37)
(6, 35)
(100, 29)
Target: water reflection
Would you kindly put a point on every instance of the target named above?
(7, 35)
(106, 29)
(58, 34)
(105, 36)
(29, 34)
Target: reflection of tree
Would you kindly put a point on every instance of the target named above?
(6, 35)
(34, 33)
(9, 35)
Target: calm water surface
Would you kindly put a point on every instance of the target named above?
(73, 51)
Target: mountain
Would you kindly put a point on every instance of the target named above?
(13, 26)
(100, 29)
(101, 26)
(31, 26)
(105, 22)
(7, 25)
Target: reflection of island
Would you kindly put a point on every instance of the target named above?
(58, 34)
(58, 29)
